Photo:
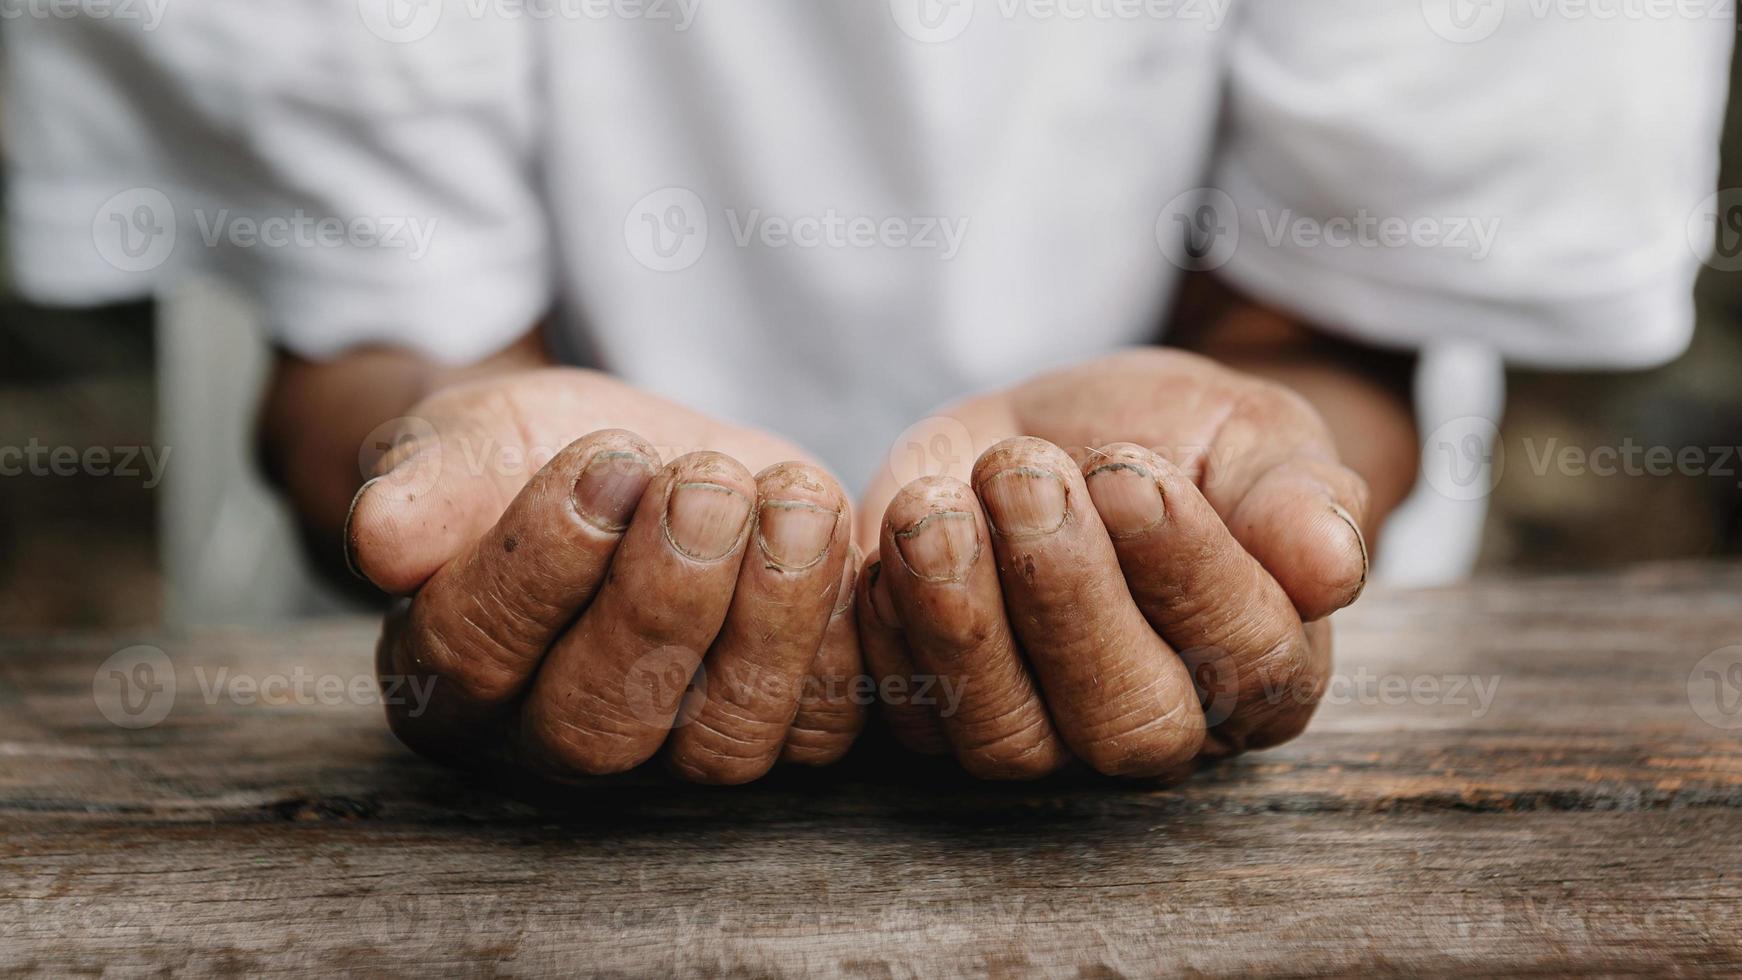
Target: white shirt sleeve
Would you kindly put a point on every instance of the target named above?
(1533, 175)
(367, 178)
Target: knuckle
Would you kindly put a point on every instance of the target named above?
(1146, 752)
(718, 758)
(817, 747)
(1277, 695)
(1027, 752)
(1146, 740)
(570, 749)
(472, 667)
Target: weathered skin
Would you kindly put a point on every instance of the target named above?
(562, 609)
(1150, 594)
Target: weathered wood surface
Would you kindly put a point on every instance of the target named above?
(1590, 819)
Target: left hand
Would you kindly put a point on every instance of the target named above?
(1156, 593)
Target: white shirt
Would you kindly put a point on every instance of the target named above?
(827, 217)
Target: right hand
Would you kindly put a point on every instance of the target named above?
(558, 612)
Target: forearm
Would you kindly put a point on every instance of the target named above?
(1364, 395)
(318, 414)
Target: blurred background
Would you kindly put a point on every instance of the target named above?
(180, 374)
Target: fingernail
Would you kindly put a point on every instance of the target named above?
(350, 539)
(1024, 500)
(882, 604)
(705, 520)
(941, 546)
(1127, 498)
(849, 581)
(609, 488)
(795, 534)
(1361, 540)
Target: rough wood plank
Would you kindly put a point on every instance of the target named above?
(1588, 818)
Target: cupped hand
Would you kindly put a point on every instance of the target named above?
(595, 575)
(1153, 594)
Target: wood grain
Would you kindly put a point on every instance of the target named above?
(1586, 819)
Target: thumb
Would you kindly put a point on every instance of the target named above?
(436, 484)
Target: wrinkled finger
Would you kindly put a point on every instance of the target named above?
(832, 702)
(737, 719)
(1259, 677)
(432, 494)
(891, 668)
(608, 692)
(1273, 476)
(944, 588)
(1121, 699)
(481, 625)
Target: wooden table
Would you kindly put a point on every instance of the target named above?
(1587, 817)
